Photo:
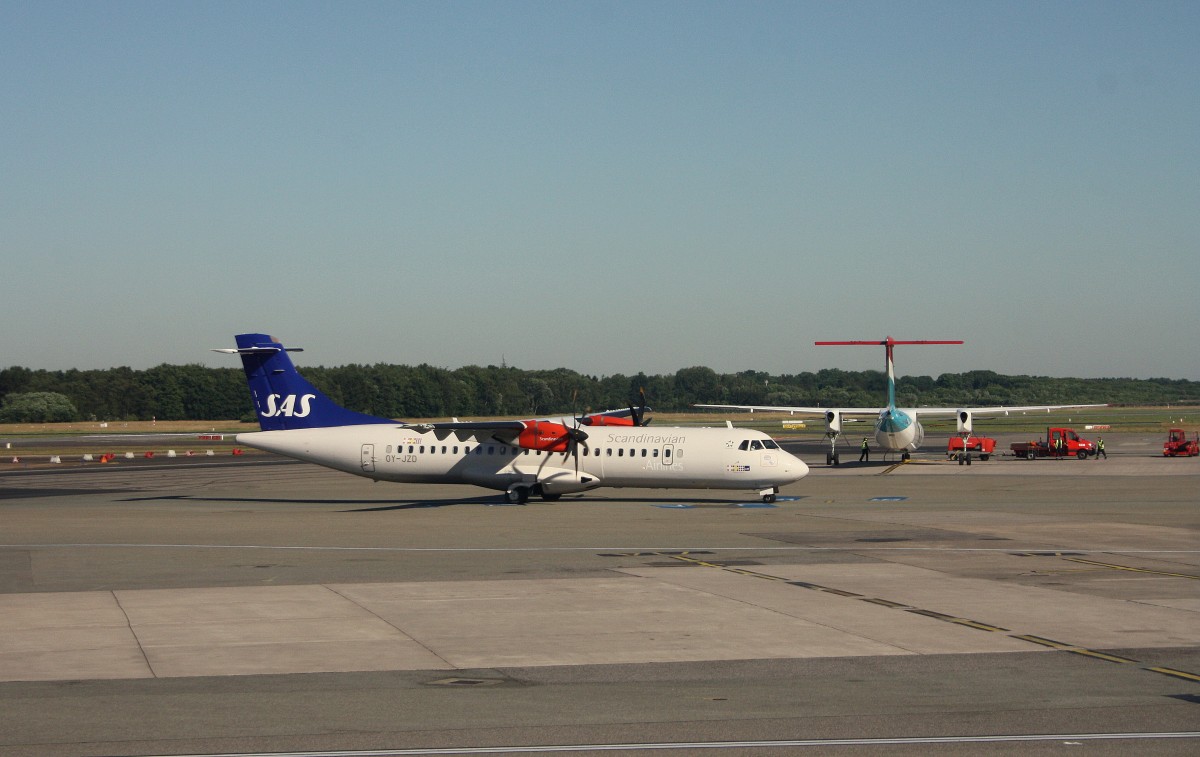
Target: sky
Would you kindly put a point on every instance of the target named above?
(610, 187)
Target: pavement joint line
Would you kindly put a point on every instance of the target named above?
(623, 551)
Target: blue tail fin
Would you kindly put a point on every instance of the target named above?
(283, 399)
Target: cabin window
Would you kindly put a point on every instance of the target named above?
(608, 452)
(654, 452)
(679, 453)
(667, 452)
(644, 452)
(455, 448)
(410, 449)
(389, 449)
(621, 452)
(479, 450)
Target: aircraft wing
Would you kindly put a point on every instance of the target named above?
(507, 430)
(530, 433)
(993, 410)
(845, 411)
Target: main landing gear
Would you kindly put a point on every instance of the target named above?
(519, 494)
(831, 457)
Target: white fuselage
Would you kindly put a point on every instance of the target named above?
(688, 458)
(898, 431)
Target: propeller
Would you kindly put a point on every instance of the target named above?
(638, 414)
(576, 434)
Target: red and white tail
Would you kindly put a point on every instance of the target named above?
(890, 343)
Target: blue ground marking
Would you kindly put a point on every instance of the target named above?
(887, 499)
(755, 504)
(677, 507)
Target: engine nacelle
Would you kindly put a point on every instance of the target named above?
(562, 481)
(964, 421)
(833, 422)
(606, 420)
(545, 436)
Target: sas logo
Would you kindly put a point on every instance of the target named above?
(288, 407)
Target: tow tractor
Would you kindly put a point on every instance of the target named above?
(1178, 445)
(1059, 442)
(961, 447)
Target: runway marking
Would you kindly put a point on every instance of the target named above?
(1040, 640)
(965, 622)
(1114, 566)
(1102, 656)
(1176, 673)
(685, 745)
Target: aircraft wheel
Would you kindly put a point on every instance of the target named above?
(517, 495)
(828, 458)
(836, 459)
(905, 456)
(769, 498)
(968, 459)
(960, 460)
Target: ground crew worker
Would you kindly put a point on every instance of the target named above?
(1100, 448)
(1058, 446)
(865, 454)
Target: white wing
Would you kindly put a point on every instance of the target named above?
(853, 411)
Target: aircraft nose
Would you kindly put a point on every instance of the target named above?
(796, 468)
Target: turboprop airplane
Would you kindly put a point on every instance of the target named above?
(896, 429)
(522, 458)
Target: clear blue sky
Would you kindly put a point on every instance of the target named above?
(610, 187)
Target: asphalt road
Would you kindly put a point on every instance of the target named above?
(200, 608)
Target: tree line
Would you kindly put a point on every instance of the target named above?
(196, 392)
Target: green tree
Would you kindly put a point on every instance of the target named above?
(37, 407)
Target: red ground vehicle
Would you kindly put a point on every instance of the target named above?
(984, 446)
(1072, 445)
(1178, 445)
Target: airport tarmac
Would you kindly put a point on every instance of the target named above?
(199, 608)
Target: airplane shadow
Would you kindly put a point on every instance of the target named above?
(375, 505)
(402, 505)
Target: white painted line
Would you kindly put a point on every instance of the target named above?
(1067, 737)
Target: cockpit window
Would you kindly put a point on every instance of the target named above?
(745, 445)
(770, 444)
(756, 444)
